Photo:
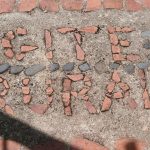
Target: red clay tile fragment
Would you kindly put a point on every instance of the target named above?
(86, 78)
(80, 54)
(106, 104)
(132, 103)
(6, 85)
(127, 29)
(27, 5)
(84, 144)
(116, 76)
(27, 99)
(111, 29)
(118, 95)
(113, 39)
(21, 31)
(111, 87)
(133, 5)
(65, 30)
(67, 85)
(74, 93)
(90, 107)
(49, 55)
(146, 99)
(26, 81)
(68, 111)
(133, 57)
(84, 91)
(6, 43)
(125, 43)
(89, 29)
(4, 92)
(27, 48)
(115, 49)
(49, 90)
(39, 108)
(2, 103)
(10, 35)
(124, 86)
(121, 144)
(75, 77)
(8, 110)
(25, 90)
(66, 98)
(49, 5)
(20, 56)
(48, 39)
(9, 53)
(119, 57)
(93, 5)
(78, 38)
(113, 4)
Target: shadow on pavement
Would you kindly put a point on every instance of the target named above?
(15, 130)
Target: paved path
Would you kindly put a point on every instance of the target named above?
(77, 71)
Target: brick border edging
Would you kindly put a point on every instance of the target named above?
(9, 6)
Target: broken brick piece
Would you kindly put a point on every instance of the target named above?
(39, 108)
(133, 57)
(67, 85)
(27, 99)
(93, 5)
(27, 48)
(124, 86)
(90, 107)
(89, 29)
(106, 104)
(10, 35)
(75, 77)
(2, 103)
(21, 31)
(111, 29)
(66, 30)
(67, 111)
(118, 95)
(115, 49)
(80, 54)
(146, 99)
(127, 29)
(116, 76)
(4, 92)
(78, 38)
(8, 110)
(20, 56)
(85, 97)
(26, 81)
(49, 55)
(6, 85)
(48, 39)
(111, 87)
(49, 90)
(132, 103)
(84, 91)
(6, 43)
(125, 43)
(74, 93)
(113, 39)
(9, 53)
(49, 100)
(119, 57)
(26, 90)
(86, 78)
(66, 98)
(113, 4)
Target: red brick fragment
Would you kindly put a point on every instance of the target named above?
(2, 103)
(26, 90)
(132, 103)
(89, 29)
(20, 56)
(113, 39)
(133, 57)
(49, 55)
(84, 144)
(11, 145)
(133, 5)
(113, 4)
(127, 29)
(8, 110)
(119, 57)
(68, 111)
(49, 5)
(111, 87)
(86, 78)
(75, 77)
(146, 99)
(78, 38)
(115, 49)
(10, 35)
(65, 30)
(27, 48)
(90, 107)
(6, 43)
(67, 85)
(21, 31)
(85, 97)
(74, 93)
(93, 5)
(9, 53)
(106, 104)
(27, 99)
(74, 5)
(66, 98)
(111, 29)
(26, 81)
(116, 76)
(27, 5)
(80, 54)
(125, 43)
(39, 108)
(141, 74)
(6, 85)
(146, 3)
(49, 90)
(121, 144)
(84, 91)
(118, 95)
(4, 92)
(124, 86)
(143, 83)
(7, 6)
(48, 39)
(118, 29)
